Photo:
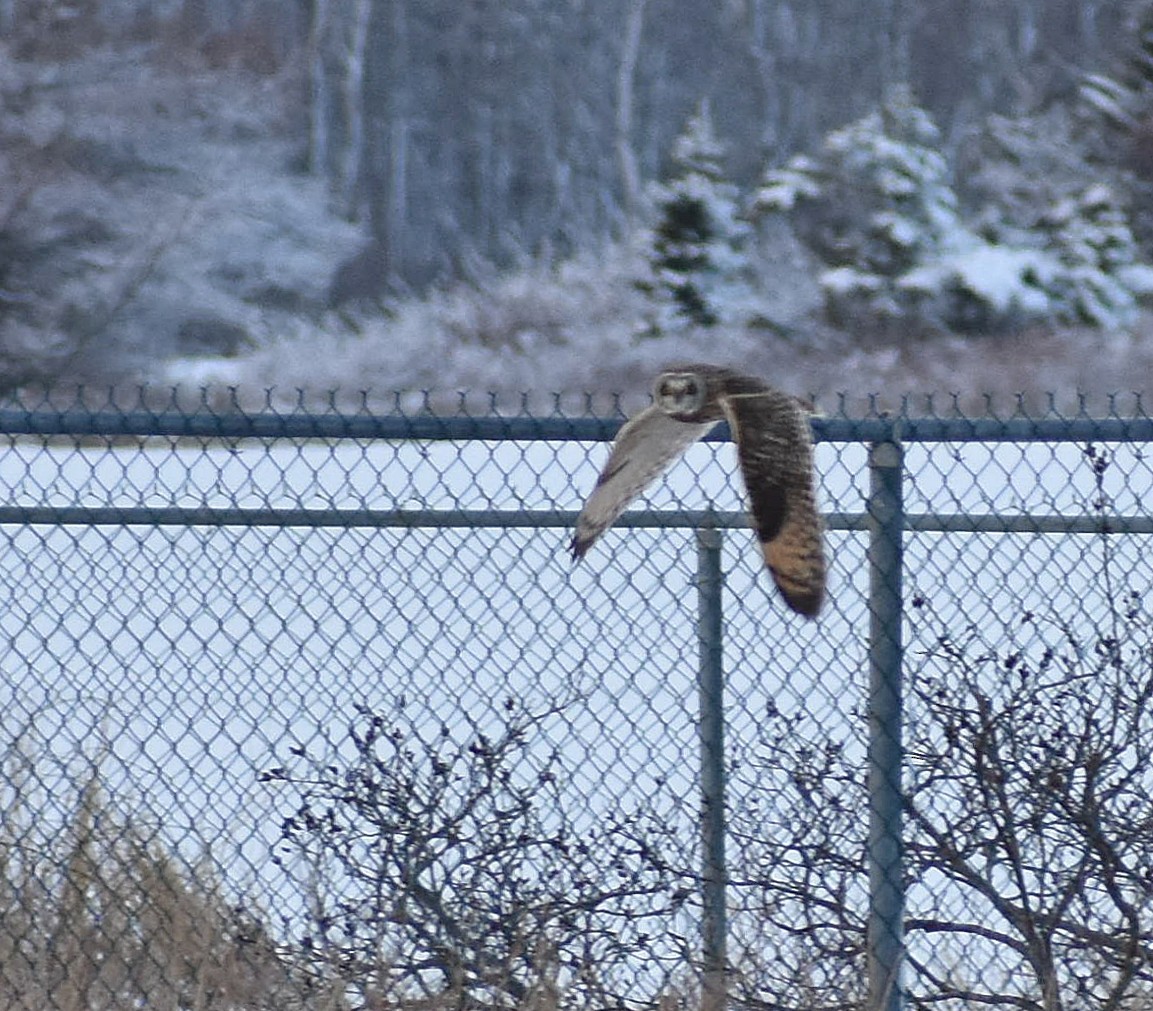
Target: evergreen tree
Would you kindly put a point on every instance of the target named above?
(1117, 112)
(875, 202)
(1123, 100)
(698, 270)
(878, 206)
(1102, 278)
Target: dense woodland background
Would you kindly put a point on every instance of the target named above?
(196, 180)
(495, 127)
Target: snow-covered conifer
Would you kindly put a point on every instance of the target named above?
(878, 205)
(874, 202)
(696, 249)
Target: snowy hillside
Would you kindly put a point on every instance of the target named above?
(156, 227)
(149, 213)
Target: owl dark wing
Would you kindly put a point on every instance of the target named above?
(644, 448)
(776, 456)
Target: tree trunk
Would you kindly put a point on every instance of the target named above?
(354, 103)
(395, 210)
(626, 87)
(318, 110)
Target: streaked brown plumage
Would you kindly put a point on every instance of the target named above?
(771, 432)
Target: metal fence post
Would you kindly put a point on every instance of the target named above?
(886, 941)
(710, 584)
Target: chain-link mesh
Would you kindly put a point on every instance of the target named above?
(314, 710)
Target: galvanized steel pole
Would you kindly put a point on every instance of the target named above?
(710, 585)
(886, 941)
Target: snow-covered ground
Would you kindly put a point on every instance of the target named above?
(563, 331)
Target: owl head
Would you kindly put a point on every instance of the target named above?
(680, 394)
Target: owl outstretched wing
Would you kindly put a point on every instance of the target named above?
(644, 448)
(776, 456)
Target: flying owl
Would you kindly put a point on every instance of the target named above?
(774, 448)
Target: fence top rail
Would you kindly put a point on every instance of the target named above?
(273, 425)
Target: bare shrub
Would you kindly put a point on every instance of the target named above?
(1029, 824)
(454, 873)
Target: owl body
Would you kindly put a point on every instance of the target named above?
(774, 448)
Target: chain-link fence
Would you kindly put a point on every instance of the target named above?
(312, 709)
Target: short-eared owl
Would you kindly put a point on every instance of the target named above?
(771, 431)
